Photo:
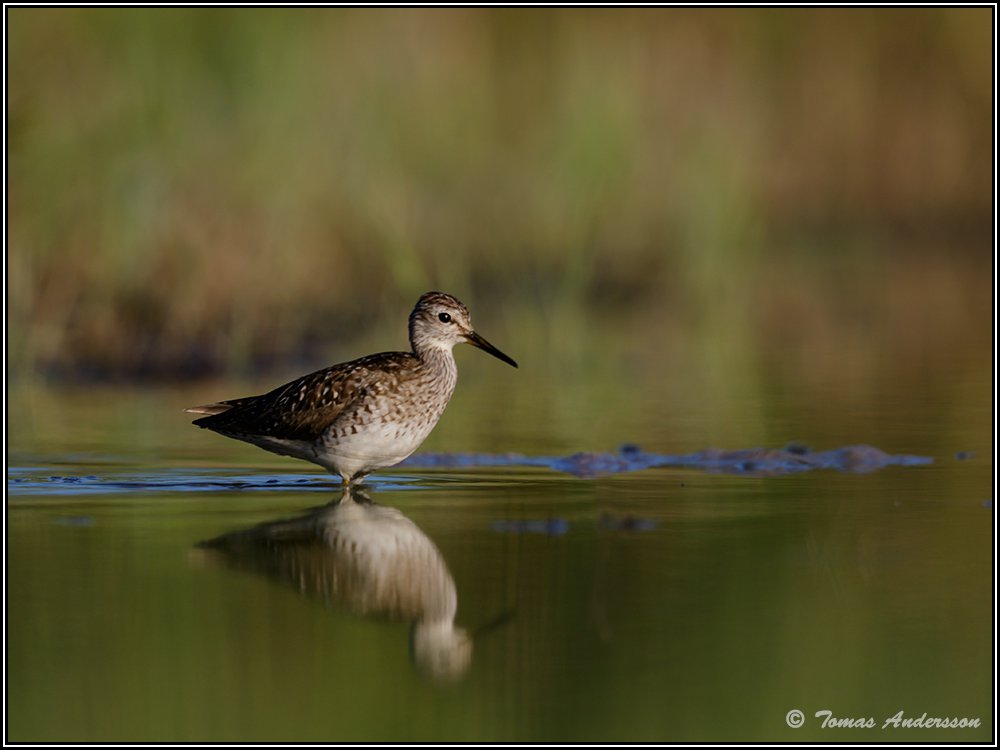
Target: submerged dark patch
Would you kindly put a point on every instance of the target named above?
(857, 459)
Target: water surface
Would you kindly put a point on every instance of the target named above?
(669, 603)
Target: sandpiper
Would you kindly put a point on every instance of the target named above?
(362, 415)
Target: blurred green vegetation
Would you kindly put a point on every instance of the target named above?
(194, 189)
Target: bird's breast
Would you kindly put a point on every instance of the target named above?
(387, 425)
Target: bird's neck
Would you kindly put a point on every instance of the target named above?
(436, 357)
(439, 362)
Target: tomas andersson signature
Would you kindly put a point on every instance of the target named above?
(899, 720)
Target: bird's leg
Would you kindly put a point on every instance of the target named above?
(358, 478)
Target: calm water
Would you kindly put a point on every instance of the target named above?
(524, 604)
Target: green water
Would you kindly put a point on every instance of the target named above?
(653, 605)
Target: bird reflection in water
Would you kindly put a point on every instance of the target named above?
(371, 560)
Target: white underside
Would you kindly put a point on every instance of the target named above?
(374, 447)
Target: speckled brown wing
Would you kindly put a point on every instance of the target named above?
(304, 408)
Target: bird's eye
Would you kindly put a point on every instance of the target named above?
(444, 317)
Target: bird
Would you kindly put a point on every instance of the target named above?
(360, 416)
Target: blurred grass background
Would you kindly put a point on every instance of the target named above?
(194, 191)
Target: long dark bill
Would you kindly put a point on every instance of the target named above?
(478, 341)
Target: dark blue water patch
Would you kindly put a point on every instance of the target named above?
(551, 526)
(74, 521)
(794, 458)
(627, 524)
(758, 462)
(548, 526)
(37, 481)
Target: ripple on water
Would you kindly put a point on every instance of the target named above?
(795, 458)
